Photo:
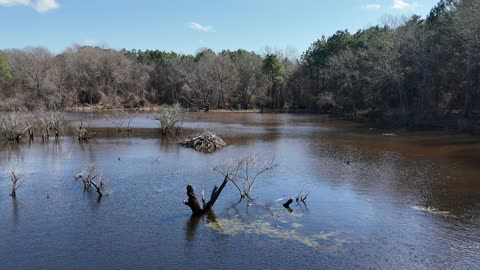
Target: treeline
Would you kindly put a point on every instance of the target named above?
(417, 71)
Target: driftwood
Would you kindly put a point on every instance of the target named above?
(206, 207)
(205, 142)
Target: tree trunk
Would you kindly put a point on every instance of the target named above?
(194, 205)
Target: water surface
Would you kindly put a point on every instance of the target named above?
(403, 200)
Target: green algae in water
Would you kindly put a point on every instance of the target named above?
(236, 226)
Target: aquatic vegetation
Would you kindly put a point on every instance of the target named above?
(262, 227)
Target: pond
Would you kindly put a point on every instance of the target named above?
(376, 200)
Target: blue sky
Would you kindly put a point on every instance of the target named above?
(187, 25)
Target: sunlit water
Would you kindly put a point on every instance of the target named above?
(409, 201)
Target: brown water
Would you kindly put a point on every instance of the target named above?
(410, 201)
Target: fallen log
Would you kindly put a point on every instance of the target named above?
(205, 142)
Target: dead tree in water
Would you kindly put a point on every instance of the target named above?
(15, 185)
(84, 133)
(121, 119)
(170, 117)
(88, 175)
(13, 125)
(239, 172)
(206, 207)
(15, 177)
(51, 120)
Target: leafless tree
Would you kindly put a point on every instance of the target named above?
(121, 119)
(250, 79)
(244, 172)
(51, 120)
(225, 75)
(13, 125)
(84, 132)
(91, 178)
(170, 117)
(15, 178)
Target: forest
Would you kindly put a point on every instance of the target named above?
(411, 72)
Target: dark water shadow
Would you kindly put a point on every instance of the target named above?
(15, 213)
(192, 224)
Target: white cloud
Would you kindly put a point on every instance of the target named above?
(40, 6)
(11, 3)
(45, 5)
(401, 4)
(373, 6)
(199, 27)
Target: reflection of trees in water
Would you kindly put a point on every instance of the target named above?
(169, 145)
(392, 176)
(53, 147)
(15, 210)
(191, 227)
(12, 151)
(88, 146)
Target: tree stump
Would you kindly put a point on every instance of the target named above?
(207, 207)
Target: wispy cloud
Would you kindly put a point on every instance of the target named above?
(402, 4)
(372, 6)
(199, 27)
(40, 6)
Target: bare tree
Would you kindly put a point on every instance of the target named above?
(248, 68)
(13, 125)
(91, 178)
(84, 133)
(224, 73)
(170, 117)
(244, 172)
(121, 119)
(15, 178)
(200, 87)
(51, 120)
(32, 64)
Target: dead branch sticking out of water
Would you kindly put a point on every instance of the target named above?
(84, 133)
(121, 119)
(207, 207)
(301, 198)
(170, 117)
(244, 172)
(89, 175)
(14, 179)
(205, 142)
